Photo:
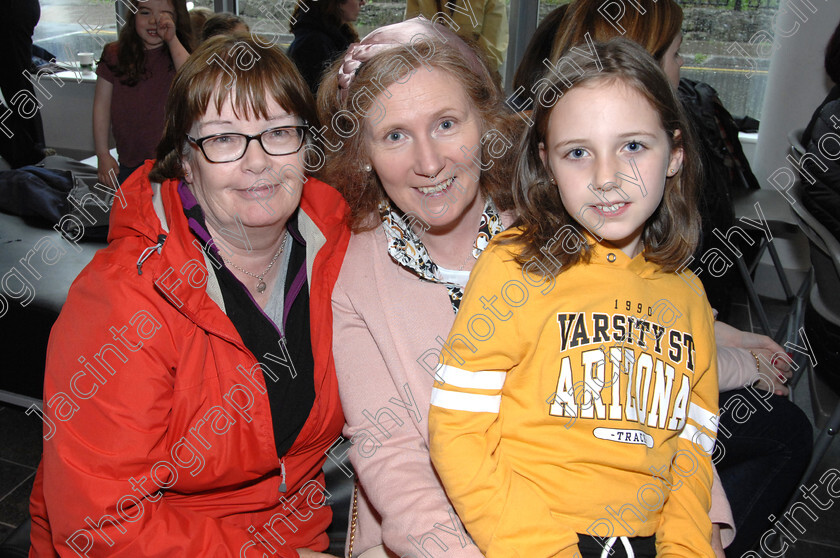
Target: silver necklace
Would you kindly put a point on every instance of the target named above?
(467, 259)
(261, 285)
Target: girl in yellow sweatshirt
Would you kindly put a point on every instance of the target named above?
(576, 409)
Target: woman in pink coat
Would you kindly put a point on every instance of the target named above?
(425, 177)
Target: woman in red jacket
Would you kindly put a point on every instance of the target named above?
(190, 376)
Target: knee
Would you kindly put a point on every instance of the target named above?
(793, 427)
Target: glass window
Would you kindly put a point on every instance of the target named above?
(727, 44)
(68, 27)
(378, 13)
(269, 17)
(547, 6)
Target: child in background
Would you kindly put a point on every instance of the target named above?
(133, 81)
(483, 23)
(198, 16)
(576, 408)
(223, 24)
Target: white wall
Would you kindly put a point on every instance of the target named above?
(67, 113)
(796, 83)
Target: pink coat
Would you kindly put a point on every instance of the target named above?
(388, 328)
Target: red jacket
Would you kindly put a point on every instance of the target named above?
(147, 378)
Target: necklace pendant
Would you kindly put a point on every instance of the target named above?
(261, 287)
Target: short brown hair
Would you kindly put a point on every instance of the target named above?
(221, 24)
(672, 232)
(363, 190)
(204, 78)
(198, 16)
(655, 28)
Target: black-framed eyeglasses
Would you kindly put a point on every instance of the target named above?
(231, 146)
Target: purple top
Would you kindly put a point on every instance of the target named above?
(137, 111)
(189, 202)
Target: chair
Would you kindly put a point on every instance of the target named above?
(776, 211)
(777, 214)
(17, 545)
(779, 219)
(825, 259)
(795, 141)
(794, 319)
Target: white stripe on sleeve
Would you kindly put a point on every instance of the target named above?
(703, 417)
(471, 402)
(471, 380)
(699, 438)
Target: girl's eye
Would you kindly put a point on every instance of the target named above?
(577, 153)
(634, 147)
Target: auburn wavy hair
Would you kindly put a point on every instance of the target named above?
(654, 27)
(343, 169)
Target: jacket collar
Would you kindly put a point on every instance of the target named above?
(179, 268)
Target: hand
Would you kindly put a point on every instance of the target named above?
(774, 371)
(105, 165)
(774, 362)
(306, 553)
(717, 545)
(166, 28)
(167, 31)
(729, 336)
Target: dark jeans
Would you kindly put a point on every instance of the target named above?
(764, 456)
(824, 337)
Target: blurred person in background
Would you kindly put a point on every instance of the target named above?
(820, 178)
(21, 129)
(480, 22)
(323, 29)
(223, 24)
(132, 83)
(198, 16)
